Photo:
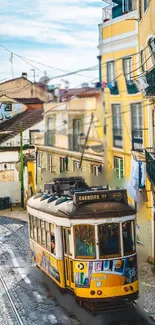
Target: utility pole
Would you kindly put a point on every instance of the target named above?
(21, 166)
(83, 151)
(11, 60)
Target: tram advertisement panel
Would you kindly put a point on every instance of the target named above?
(45, 260)
(110, 273)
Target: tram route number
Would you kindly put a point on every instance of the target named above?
(80, 266)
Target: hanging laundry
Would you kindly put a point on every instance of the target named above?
(142, 174)
(136, 184)
(104, 84)
(142, 84)
(110, 86)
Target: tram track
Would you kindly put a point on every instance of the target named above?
(15, 315)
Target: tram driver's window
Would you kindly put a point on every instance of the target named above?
(84, 236)
(109, 239)
(128, 228)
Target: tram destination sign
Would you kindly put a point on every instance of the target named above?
(100, 196)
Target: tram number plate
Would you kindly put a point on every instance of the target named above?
(108, 219)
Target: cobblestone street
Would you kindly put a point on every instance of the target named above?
(22, 299)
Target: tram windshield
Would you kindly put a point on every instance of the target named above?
(84, 241)
(109, 239)
(128, 229)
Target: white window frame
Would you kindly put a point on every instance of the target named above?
(39, 159)
(49, 124)
(111, 72)
(128, 68)
(76, 164)
(95, 170)
(120, 159)
(117, 122)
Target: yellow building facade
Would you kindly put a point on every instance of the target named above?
(147, 57)
(126, 109)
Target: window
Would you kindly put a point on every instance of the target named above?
(39, 159)
(127, 68)
(77, 125)
(137, 126)
(118, 166)
(53, 249)
(110, 72)
(146, 4)
(127, 5)
(62, 164)
(33, 135)
(84, 236)
(128, 229)
(76, 164)
(8, 107)
(142, 60)
(109, 240)
(117, 126)
(31, 225)
(140, 9)
(49, 163)
(151, 43)
(50, 124)
(96, 170)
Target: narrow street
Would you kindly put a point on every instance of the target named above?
(22, 299)
(25, 300)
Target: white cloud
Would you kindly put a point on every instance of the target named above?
(68, 27)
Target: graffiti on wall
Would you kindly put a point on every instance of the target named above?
(109, 272)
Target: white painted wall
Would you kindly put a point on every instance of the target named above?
(11, 189)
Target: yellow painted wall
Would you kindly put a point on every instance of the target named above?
(31, 175)
(118, 28)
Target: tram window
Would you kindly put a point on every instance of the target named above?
(84, 241)
(72, 271)
(65, 242)
(53, 251)
(48, 241)
(128, 228)
(35, 228)
(109, 239)
(31, 225)
(70, 242)
(43, 237)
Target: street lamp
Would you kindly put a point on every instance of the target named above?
(81, 140)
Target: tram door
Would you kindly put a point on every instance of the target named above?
(69, 273)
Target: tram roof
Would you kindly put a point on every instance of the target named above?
(64, 207)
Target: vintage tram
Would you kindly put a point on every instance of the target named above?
(84, 240)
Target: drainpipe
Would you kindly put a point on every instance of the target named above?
(100, 67)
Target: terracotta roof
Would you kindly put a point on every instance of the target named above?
(78, 92)
(28, 119)
(29, 100)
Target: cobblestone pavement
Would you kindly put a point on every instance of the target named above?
(23, 300)
(147, 283)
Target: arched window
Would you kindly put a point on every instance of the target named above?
(151, 44)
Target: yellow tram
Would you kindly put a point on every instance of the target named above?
(84, 240)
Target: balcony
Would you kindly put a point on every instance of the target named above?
(150, 165)
(131, 87)
(49, 138)
(114, 90)
(117, 138)
(150, 77)
(73, 144)
(137, 140)
(117, 8)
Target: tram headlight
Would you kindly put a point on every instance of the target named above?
(92, 292)
(99, 284)
(131, 288)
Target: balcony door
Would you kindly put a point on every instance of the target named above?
(76, 133)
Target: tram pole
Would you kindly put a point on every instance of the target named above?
(21, 166)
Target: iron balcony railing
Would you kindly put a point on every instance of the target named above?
(49, 138)
(150, 165)
(150, 77)
(117, 138)
(73, 143)
(137, 139)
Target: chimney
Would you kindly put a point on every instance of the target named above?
(24, 75)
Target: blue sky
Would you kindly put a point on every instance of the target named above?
(60, 33)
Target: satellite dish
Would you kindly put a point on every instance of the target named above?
(44, 80)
